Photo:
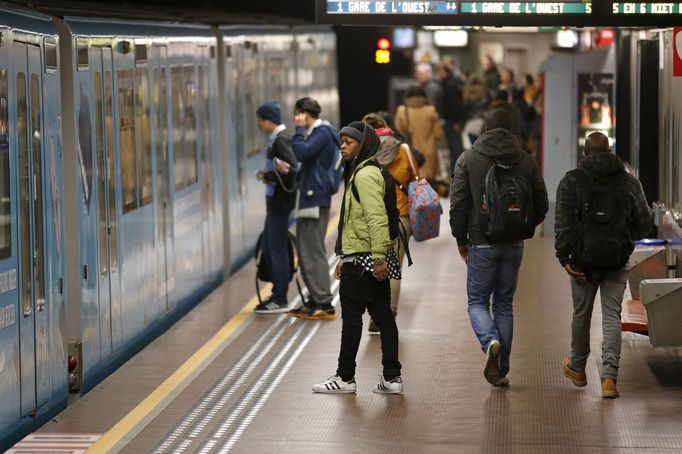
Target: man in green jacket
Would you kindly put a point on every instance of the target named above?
(367, 261)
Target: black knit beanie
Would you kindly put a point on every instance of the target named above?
(354, 130)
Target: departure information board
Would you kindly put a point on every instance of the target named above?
(498, 13)
(647, 8)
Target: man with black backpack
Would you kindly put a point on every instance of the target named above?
(497, 198)
(601, 209)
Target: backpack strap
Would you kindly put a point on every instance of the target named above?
(353, 189)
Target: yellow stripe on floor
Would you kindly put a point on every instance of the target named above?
(111, 440)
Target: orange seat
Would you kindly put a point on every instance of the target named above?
(632, 317)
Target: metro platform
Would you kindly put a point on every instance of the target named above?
(247, 389)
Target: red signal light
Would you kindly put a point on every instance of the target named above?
(384, 43)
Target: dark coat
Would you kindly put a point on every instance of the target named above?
(315, 154)
(284, 197)
(468, 181)
(602, 165)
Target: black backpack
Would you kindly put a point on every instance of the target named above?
(264, 273)
(603, 241)
(506, 204)
(395, 228)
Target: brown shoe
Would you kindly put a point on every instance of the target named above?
(608, 388)
(578, 378)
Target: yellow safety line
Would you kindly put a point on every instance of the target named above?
(113, 436)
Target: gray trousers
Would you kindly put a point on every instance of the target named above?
(612, 287)
(312, 254)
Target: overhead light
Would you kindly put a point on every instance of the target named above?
(450, 38)
(567, 39)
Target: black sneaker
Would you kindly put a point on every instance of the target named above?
(319, 312)
(306, 308)
(272, 306)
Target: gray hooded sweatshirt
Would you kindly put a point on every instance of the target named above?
(468, 180)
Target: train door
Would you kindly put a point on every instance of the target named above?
(108, 275)
(33, 321)
(164, 227)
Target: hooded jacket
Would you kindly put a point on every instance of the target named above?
(468, 180)
(363, 224)
(600, 165)
(315, 153)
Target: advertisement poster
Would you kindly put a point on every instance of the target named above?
(596, 111)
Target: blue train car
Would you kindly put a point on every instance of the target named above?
(33, 360)
(139, 132)
(128, 154)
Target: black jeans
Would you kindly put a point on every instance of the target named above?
(358, 291)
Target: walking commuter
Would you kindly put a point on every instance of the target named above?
(418, 121)
(594, 252)
(393, 156)
(490, 227)
(432, 87)
(280, 198)
(453, 111)
(366, 263)
(315, 144)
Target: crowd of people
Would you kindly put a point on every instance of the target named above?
(497, 199)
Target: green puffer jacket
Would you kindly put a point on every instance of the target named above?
(365, 223)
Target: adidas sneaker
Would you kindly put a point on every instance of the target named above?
(394, 386)
(335, 385)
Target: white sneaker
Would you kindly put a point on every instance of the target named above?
(504, 381)
(335, 385)
(493, 358)
(394, 386)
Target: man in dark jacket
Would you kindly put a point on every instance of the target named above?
(492, 267)
(280, 198)
(316, 146)
(599, 164)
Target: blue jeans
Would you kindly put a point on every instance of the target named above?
(275, 249)
(493, 269)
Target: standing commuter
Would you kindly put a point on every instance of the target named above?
(418, 120)
(393, 156)
(492, 246)
(367, 262)
(453, 111)
(423, 72)
(280, 198)
(595, 256)
(316, 146)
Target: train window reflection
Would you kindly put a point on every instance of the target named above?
(177, 95)
(143, 135)
(190, 126)
(127, 139)
(39, 252)
(24, 195)
(101, 175)
(111, 175)
(5, 199)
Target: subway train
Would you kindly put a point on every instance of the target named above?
(128, 154)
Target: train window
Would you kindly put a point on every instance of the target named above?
(143, 135)
(127, 140)
(212, 53)
(101, 175)
(228, 52)
(111, 174)
(164, 165)
(205, 135)
(158, 113)
(50, 46)
(5, 200)
(36, 134)
(190, 126)
(177, 95)
(24, 195)
(253, 93)
(82, 54)
(140, 54)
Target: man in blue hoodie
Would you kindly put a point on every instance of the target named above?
(316, 146)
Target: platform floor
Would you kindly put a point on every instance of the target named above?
(255, 396)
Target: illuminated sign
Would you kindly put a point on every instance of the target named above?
(526, 7)
(647, 8)
(499, 13)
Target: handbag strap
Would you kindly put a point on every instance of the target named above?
(411, 162)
